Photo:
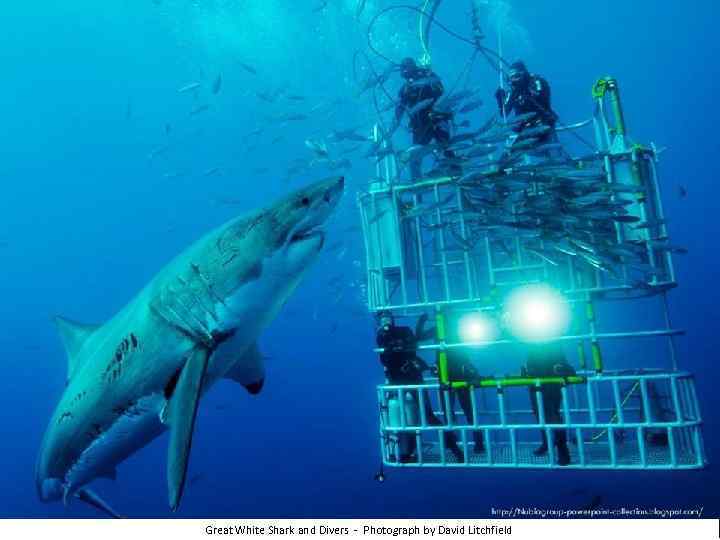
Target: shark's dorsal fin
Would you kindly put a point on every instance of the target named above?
(180, 414)
(249, 370)
(73, 334)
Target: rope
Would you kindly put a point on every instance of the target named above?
(421, 11)
(376, 77)
(615, 416)
(424, 33)
(498, 63)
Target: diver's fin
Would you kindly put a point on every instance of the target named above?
(180, 413)
(249, 370)
(73, 334)
(93, 499)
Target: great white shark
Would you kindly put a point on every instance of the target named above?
(198, 320)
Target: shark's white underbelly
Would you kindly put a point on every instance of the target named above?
(132, 430)
(141, 423)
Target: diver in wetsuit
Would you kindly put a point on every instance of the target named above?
(529, 93)
(417, 98)
(548, 360)
(403, 366)
(461, 368)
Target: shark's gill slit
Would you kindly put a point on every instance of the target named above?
(122, 352)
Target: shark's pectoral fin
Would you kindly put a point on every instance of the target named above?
(94, 500)
(255, 387)
(249, 370)
(180, 414)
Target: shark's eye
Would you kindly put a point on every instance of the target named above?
(305, 201)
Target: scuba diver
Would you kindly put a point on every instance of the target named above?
(529, 93)
(403, 366)
(417, 98)
(460, 368)
(548, 360)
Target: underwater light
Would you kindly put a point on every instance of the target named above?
(536, 313)
(476, 328)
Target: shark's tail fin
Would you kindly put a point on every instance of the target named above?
(93, 499)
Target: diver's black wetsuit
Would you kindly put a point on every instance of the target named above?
(460, 368)
(549, 361)
(426, 124)
(425, 85)
(403, 366)
(532, 95)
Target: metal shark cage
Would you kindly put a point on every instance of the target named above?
(427, 253)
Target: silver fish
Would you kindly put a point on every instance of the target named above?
(543, 255)
(625, 188)
(158, 151)
(217, 85)
(471, 106)
(564, 246)
(416, 152)
(248, 68)
(377, 217)
(426, 209)
(523, 144)
(188, 87)
(521, 118)
(669, 247)
(317, 146)
(199, 109)
(461, 137)
(625, 219)
(420, 106)
(650, 224)
(382, 153)
(212, 171)
(533, 131)
(480, 150)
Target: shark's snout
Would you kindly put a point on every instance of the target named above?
(334, 190)
(319, 200)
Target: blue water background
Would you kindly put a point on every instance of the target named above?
(86, 219)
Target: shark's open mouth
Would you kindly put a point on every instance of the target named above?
(307, 234)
